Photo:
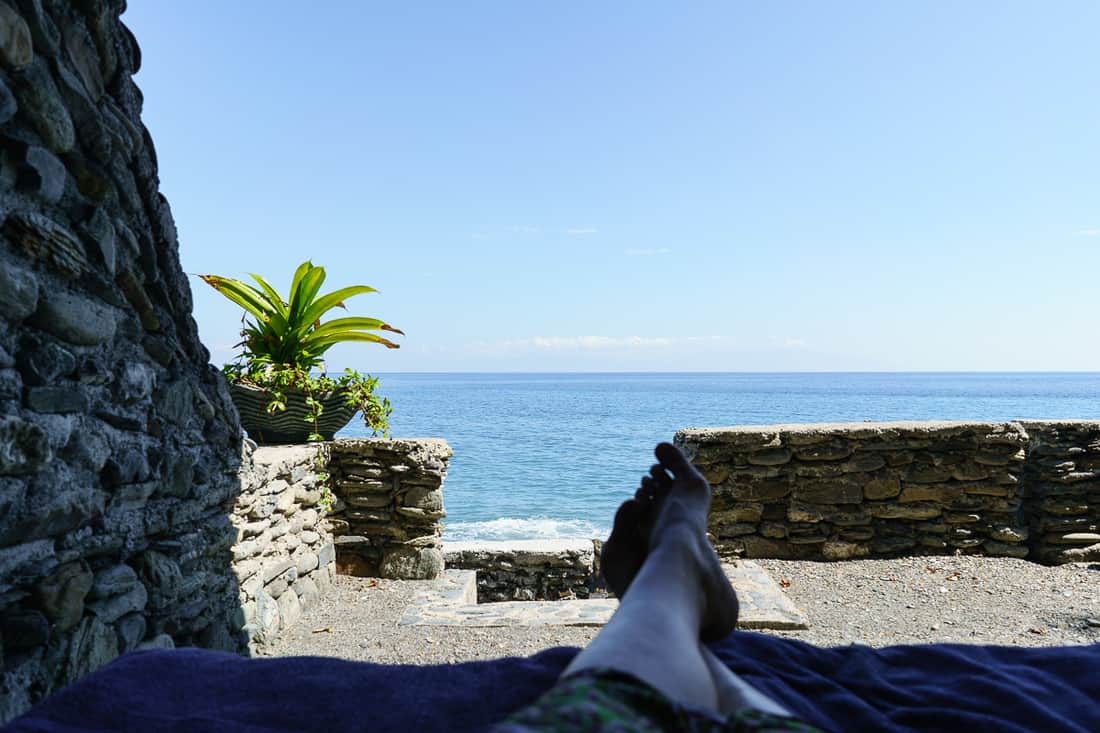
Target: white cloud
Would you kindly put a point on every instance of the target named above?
(580, 230)
(793, 343)
(1090, 232)
(646, 252)
(588, 343)
(593, 343)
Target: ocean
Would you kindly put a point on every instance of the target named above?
(542, 456)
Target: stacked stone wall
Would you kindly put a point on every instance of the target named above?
(1062, 480)
(534, 570)
(284, 558)
(882, 489)
(388, 515)
(119, 448)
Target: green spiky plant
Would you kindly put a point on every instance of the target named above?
(285, 341)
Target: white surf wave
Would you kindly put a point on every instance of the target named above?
(528, 528)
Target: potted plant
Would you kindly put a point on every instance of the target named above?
(278, 382)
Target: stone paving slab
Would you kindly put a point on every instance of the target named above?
(452, 601)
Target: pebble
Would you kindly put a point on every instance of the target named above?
(996, 601)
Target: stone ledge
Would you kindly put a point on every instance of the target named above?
(446, 602)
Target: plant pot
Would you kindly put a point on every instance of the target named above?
(289, 425)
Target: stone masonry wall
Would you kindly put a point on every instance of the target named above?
(1062, 484)
(119, 448)
(880, 489)
(389, 506)
(284, 558)
(528, 570)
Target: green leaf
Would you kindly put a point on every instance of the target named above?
(242, 294)
(332, 300)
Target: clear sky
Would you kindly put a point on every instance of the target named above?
(645, 186)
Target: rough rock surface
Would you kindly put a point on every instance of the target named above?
(389, 506)
(844, 491)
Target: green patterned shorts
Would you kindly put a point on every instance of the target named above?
(611, 701)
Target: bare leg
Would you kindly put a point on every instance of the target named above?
(679, 591)
(672, 591)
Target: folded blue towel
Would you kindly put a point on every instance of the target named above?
(929, 688)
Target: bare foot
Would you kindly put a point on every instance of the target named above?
(674, 496)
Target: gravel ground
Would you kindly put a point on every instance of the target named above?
(875, 602)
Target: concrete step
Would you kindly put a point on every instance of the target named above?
(452, 601)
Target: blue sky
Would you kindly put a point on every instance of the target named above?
(645, 186)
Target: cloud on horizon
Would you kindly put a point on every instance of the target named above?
(580, 230)
(1090, 232)
(594, 343)
(650, 252)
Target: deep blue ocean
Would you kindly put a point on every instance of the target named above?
(552, 455)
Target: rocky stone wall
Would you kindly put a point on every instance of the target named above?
(1062, 490)
(119, 449)
(284, 558)
(532, 570)
(879, 489)
(389, 506)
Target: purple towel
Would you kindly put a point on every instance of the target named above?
(929, 688)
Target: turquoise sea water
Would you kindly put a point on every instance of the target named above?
(552, 455)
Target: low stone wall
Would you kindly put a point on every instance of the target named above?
(388, 514)
(1062, 482)
(529, 570)
(284, 557)
(838, 491)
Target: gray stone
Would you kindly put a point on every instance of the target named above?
(88, 448)
(844, 550)
(277, 587)
(41, 102)
(8, 105)
(180, 476)
(306, 562)
(102, 232)
(44, 362)
(85, 58)
(47, 174)
(25, 559)
(290, 609)
(422, 498)
(127, 465)
(75, 319)
(412, 563)
(44, 240)
(61, 596)
(46, 37)
(160, 641)
(903, 511)
(130, 630)
(18, 291)
(773, 457)
(24, 629)
(93, 644)
(825, 491)
(273, 570)
(16, 50)
(326, 554)
(24, 447)
(114, 581)
(11, 384)
(61, 399)
(307, 591)
(310, 537)
(161, 576)
(113, 608)
(267, 615)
